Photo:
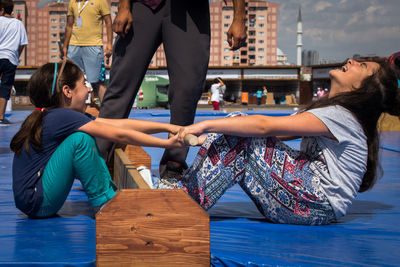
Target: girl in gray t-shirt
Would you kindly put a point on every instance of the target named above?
(316, 185)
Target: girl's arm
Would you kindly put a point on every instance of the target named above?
(97, 128)
(303, 124)
(148, 127)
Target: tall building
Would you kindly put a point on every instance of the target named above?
(310, 57)
(299, 38)
(46, 24)
(261, 25)
(281, 58)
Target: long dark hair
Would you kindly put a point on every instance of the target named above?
(40, 93)
(377, 94)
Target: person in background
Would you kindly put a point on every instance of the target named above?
(183, 28)
(259, 95)
(83, 43)
(215, 89)
(13, 40)
(320, 93)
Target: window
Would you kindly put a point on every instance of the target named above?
(53, 20)
(252, 48)
(227, 17)
(260, 57)
(260, 41)
(252, 33)
(261, 17)
(236, 57)
(252, 18)
(226, 25)
(227, 57)
(260, 33)
(252, 57)
(261, 25)
(226, 50)
(252, 41)
(260, 49)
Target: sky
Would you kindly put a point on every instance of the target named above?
(338, 29)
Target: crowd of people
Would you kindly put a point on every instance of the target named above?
(59, 142)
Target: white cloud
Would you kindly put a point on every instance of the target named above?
(340, 28)
(320, 6)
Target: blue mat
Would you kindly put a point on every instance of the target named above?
(368, 236)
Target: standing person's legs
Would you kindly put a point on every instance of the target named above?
(7, 71)
(215, 105)
(76, 157)
(186, 38)
(75, 55)
(92, 58)
(131, 58)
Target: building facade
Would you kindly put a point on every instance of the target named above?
(45, 25)
(261, 27)
(310, 57)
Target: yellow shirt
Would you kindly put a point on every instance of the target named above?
(90, 15)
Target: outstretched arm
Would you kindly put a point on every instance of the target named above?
(132, 135)
(148, 127)
(303, 124)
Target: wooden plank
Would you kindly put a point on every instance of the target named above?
(125, 174)
(145, 227)
(138, 156)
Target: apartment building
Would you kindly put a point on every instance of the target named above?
(46, 27)
(261, 27)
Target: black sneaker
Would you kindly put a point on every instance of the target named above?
(173, 170)
(5, 122)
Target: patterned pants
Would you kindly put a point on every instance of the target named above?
(281, 181)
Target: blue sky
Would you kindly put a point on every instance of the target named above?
(338, 29)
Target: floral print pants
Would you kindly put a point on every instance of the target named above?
(282, 182)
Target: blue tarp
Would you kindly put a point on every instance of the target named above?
(368, 236)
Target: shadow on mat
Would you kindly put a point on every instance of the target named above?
(70, 209)
(364, 209)
(229, 210)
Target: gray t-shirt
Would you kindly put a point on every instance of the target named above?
(346, 158)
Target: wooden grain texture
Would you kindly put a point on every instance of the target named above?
(138, 156)
(126, 175)
(147, 227)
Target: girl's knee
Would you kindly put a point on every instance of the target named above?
(82, 138)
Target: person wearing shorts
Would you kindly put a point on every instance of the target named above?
(13, 40)
(83, 42)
